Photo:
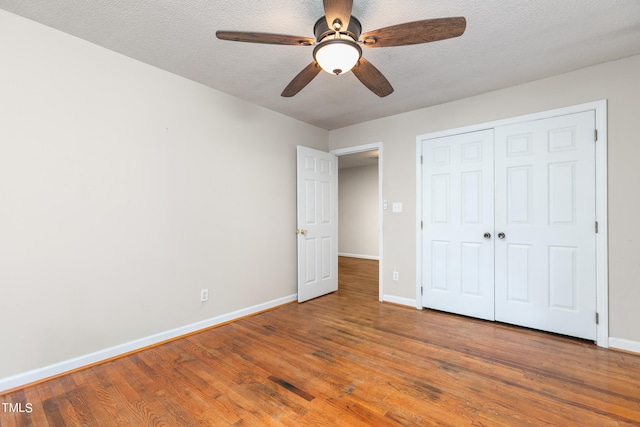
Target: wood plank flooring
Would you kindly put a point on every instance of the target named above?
(346, 359)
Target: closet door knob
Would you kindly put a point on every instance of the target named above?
(501, 236)
(487, 236)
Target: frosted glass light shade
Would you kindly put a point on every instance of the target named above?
(337, 56)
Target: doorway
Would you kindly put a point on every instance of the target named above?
(366, 157)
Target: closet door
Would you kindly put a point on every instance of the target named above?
(545, 248)
(457, 211)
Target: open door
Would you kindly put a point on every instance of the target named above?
(317, 223)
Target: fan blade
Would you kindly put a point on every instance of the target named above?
(266, 38)
(372, 78)
(428, 30)
(338, 9)
(301, 80)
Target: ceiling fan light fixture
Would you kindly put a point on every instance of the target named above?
(338, 40)
(337, 55)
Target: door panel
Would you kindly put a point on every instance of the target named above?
(519, 194)
(457, 258)
(562, 277)
(470, 264)
(545, 206)
(518, 273)
(317, 222)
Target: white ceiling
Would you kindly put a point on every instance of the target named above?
(356, 160)
(506, 43)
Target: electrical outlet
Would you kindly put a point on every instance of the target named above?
(204, 295)
(396, 276)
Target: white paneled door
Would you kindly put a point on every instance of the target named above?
(458, 224)
(532, 262)
(317, 223)
(545, 220)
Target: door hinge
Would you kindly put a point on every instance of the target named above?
(597, 318)
(596, 227)
(420, 159)
(595, 135)
(421, 290)
(421, 225)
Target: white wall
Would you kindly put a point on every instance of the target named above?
(617, 82)
(124, 190)
(358, 211)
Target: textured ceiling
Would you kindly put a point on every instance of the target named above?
(505, 44)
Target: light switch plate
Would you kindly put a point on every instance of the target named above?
(397, 207)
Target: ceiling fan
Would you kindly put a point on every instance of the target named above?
(339, 41)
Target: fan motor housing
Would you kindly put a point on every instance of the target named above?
(321, 29)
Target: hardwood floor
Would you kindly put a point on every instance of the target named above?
(347, 360)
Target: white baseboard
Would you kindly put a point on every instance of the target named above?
(39, 374)
(399, 300)
(622, 344)
(374, 257)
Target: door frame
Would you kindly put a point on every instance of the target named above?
(359, 149)
(602, 241)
